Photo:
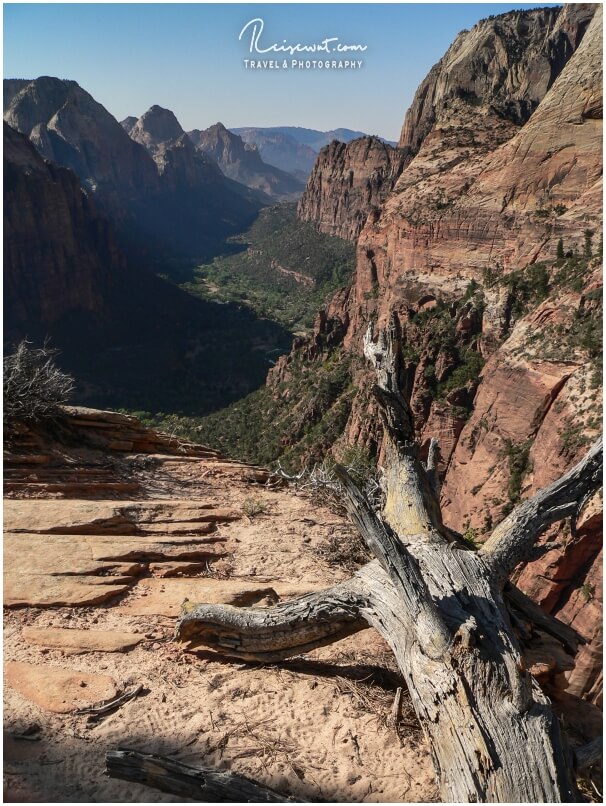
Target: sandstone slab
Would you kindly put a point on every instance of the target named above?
(113, 517)
(58, 690)
(56, 570)
(61, 591)
(79, 641)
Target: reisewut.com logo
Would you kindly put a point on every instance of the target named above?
(333, 54)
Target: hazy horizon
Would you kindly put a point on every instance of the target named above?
(187, 58)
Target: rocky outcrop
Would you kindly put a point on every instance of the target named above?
(128, 123)
(532, 393)
(242, 162)
(85, 454)
(179, 163)
(487, 85)
(505, 64)
(70, 128)
(59, 252)
(153, 213)
(348, 182)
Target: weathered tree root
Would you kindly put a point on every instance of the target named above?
(273, 634)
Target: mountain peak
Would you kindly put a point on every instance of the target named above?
(219, 131)
(155, 126)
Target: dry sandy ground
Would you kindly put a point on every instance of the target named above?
(315, 727)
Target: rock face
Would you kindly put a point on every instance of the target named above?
(200, 197)
(59, 252)
(70, 128)
(242, 162)
(348, 182)
(483, 194)
(179, 163)
(152, 211)
(506, 63)
(486, 86)
(503, 160)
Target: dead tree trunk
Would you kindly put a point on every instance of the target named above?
(440, 606)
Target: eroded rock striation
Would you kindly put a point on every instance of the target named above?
(505, 64)
(486, 195)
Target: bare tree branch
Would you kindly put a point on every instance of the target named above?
(401, 566)
(275, 633)
(202, 784)
(385, 356)
(513, 540)
(411, 505)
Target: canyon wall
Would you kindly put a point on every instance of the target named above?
(59, 252)
(486, 195)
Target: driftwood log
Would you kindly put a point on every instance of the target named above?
(442, 608)
(176, 778)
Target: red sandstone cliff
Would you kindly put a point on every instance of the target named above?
(486, 195)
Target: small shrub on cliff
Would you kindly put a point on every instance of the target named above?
(470, 536)
(587, 592)
(34, 387)
(519, 465)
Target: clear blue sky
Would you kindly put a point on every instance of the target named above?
(187, 57)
